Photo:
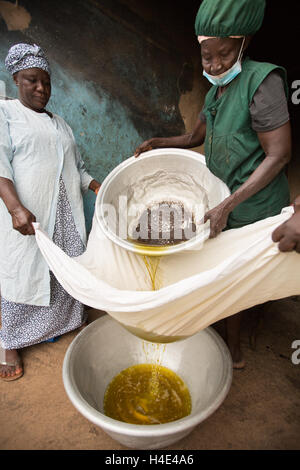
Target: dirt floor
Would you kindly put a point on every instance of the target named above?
(261, 411)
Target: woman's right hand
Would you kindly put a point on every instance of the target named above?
(22, 220)
(144, 147)
(288, 234)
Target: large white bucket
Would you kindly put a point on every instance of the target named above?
(104, 348)
(158, 175)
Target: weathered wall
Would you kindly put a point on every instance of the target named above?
(127, 70)
(121, 71)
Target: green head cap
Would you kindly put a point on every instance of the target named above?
(224, 18)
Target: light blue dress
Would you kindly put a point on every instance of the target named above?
(24, 325)
(39, 154)
(35, 151)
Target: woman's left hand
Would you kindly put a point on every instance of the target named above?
(95, 186)
(218, 217)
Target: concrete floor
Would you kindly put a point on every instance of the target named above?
(261, 411)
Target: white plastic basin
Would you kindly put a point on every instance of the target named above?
(104, 348)
(168, 174)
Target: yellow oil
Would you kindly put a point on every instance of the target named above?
(147, 394)
(152, 266)
(147, 249)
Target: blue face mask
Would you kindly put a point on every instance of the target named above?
(226, 77)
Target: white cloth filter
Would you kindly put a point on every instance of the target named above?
(237, 270)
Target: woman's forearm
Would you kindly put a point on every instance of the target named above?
(9, 195)
(277, 147)
(185, 141)
(22, 218)
(260, 178)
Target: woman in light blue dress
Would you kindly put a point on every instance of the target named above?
(42, 177)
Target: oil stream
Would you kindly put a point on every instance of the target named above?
(148, 393)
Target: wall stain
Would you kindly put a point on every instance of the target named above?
(17, 18)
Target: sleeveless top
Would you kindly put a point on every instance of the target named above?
(232, 147)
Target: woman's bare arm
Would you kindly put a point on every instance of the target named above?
(186, 141)
(22, 218)
(277, 147)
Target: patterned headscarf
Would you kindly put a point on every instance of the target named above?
(25, 56)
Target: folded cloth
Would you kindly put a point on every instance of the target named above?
(234, 271)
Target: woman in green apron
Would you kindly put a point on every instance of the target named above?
(244, 125)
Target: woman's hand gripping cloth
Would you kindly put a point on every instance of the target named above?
(235, 271)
